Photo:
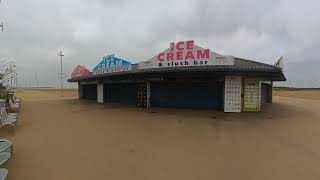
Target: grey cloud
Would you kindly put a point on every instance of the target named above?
(136, 30)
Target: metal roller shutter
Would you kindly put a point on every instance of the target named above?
(266, 93)
(120, 93)
(89, 91)
(182, 95)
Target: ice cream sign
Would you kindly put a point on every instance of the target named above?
(111, 64)
(186, 53)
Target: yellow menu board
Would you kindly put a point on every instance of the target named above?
(252, 95)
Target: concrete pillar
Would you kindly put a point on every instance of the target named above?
(148, 95)
(100, 93)
(270, 89)
(80, 91)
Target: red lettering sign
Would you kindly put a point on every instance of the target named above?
(179, 55)
(183, 50)
(170, 56)
(190, 45)
(189, 55)
(203, 54)
(179, 46)
(172, 46)
(160, 57)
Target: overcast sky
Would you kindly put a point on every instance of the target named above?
(137, 30)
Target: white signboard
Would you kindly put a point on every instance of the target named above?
(186, 53)
(232, 94)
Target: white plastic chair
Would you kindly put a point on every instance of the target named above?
(16, 99)
(14, 105)
(3, 173)
(6, 146)
(6, 120)
(4, 157)
(10, 115)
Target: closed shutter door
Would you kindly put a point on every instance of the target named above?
(90, 91)
(179, 95)
(264, 94)
(120, 93)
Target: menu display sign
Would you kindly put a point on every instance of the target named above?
(252, 95)
(111, 64)
(186, 53)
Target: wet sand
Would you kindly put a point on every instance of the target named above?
(64, 138)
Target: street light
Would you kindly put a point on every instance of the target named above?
(61, 80)
(1, 25)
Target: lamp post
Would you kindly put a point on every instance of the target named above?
(1, 24)
(61, 77)
(16, 80)
(37, 80)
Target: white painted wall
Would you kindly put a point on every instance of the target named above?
(100, 93)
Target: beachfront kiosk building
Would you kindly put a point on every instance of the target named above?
(183, 76)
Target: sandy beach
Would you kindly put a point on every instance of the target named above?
(65, 138)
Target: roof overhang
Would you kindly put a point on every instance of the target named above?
(267, 75)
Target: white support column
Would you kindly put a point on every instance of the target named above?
(80, 91)
(100, 93)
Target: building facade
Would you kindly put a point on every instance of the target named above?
(183, 76)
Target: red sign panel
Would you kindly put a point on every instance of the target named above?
(183, 51)
(186, 53)
(80, 71)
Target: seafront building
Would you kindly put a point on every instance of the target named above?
(183, 76)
